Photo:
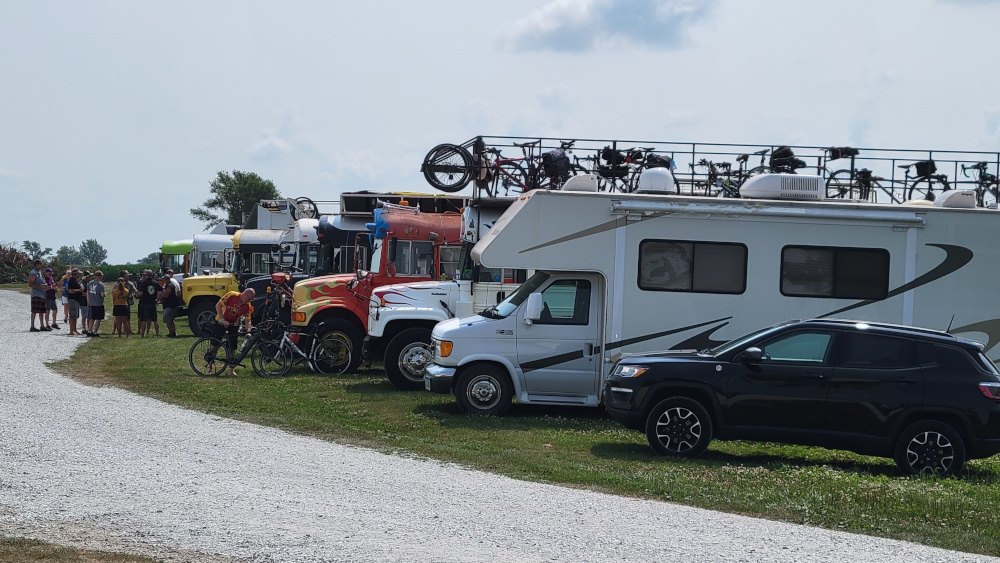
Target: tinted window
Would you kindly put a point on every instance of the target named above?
(798, 347)
(566, 302)
(876, 351)
(846, 273)
(703, 267)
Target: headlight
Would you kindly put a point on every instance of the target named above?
(630, 371)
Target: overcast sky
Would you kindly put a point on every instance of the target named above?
(116, 116)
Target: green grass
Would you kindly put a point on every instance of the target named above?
(571, 446)
(20, 550)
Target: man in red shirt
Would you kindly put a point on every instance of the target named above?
(228, 311)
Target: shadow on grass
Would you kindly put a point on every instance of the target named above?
(811, 457)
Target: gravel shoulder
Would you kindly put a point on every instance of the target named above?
(102, 468)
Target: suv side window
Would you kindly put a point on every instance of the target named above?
(798, 347)
(862, 350)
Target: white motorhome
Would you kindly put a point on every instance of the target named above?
(401, 316)
(639, 272)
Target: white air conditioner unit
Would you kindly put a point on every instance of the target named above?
(581, 183)
(784, 186)
(962, 199)
(656, 181)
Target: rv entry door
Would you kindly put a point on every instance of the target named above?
(558, 353)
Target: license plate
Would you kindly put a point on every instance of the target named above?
(427, 384)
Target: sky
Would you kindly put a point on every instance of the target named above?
(116, 116)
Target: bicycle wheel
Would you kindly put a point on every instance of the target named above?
(332, 354)
(448, 167)
(208, 357)
(270, 359)
(304, 209)
(511, 179)
(839, 185)
(923, 188)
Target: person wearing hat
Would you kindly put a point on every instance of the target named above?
(50, 300)
(84, 304)
(37, 285)
(76, 295)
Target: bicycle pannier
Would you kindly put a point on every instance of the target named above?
(842, 152)
(658, 161)
(555, 163)
(925, 167)
(612, 157)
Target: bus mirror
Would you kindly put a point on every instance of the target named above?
(392, 249)
(533, 309)
(433, 236)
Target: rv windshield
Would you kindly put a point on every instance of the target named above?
(509, 305)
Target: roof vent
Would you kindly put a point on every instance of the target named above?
(960, 199)
(656, 181)
(581, 183)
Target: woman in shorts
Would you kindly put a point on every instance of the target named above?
(119, 308)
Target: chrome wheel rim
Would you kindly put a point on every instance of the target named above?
(483, 392)
(413, 361)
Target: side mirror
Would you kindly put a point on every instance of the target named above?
(752, 355)
(361, 274)
(533, 309)
(392, 249)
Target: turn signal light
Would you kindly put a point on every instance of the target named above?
(446, 347)
(299, 317)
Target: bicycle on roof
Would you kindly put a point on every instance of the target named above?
(449, 167)
(852, 183)
(987, 185)
(925, 181)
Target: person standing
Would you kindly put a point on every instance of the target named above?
(170, 300)
(228, 311)
(37, 285)
(84, 302)
(51, 306)
(148, 290)
(65, 293)
(76, 295)
(133, 294)
(95, 301)
(119, 307)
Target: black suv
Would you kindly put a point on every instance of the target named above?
(925, 398)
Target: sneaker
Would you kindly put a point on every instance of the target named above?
(45, 329)
(33, 329)
(171, 336)
(55, 326)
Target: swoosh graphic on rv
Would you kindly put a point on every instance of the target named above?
(956, 257)
(576, 355)
(609, 226)
(991, 328)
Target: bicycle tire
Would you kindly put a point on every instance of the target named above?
(270, 359)
(922, 188)
(331, 355)
(448, 167)
(839, 185)
(305, 208)
(204, 356)
(510, 177)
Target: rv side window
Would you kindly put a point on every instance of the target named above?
(566, 302)
(845, 273)
(449, 257)
(414, 258)
(700, 267)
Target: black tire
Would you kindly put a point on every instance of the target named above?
(332, 354)
(304, 209)
(679, 426)
(345, 332)
(208, 357)
(923, 188)
(406, 357)
(484, 389)
(930, 447)
(270, 360)
(448, 167)
(199, 315)
(839, 185)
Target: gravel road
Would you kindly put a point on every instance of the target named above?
(102, 468)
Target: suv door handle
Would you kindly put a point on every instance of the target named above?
(904, 380)
(813, 376)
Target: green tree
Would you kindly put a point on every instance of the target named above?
(151, 258)
(92, 253)
(35, 250)
(69, 255)
(233, 195)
